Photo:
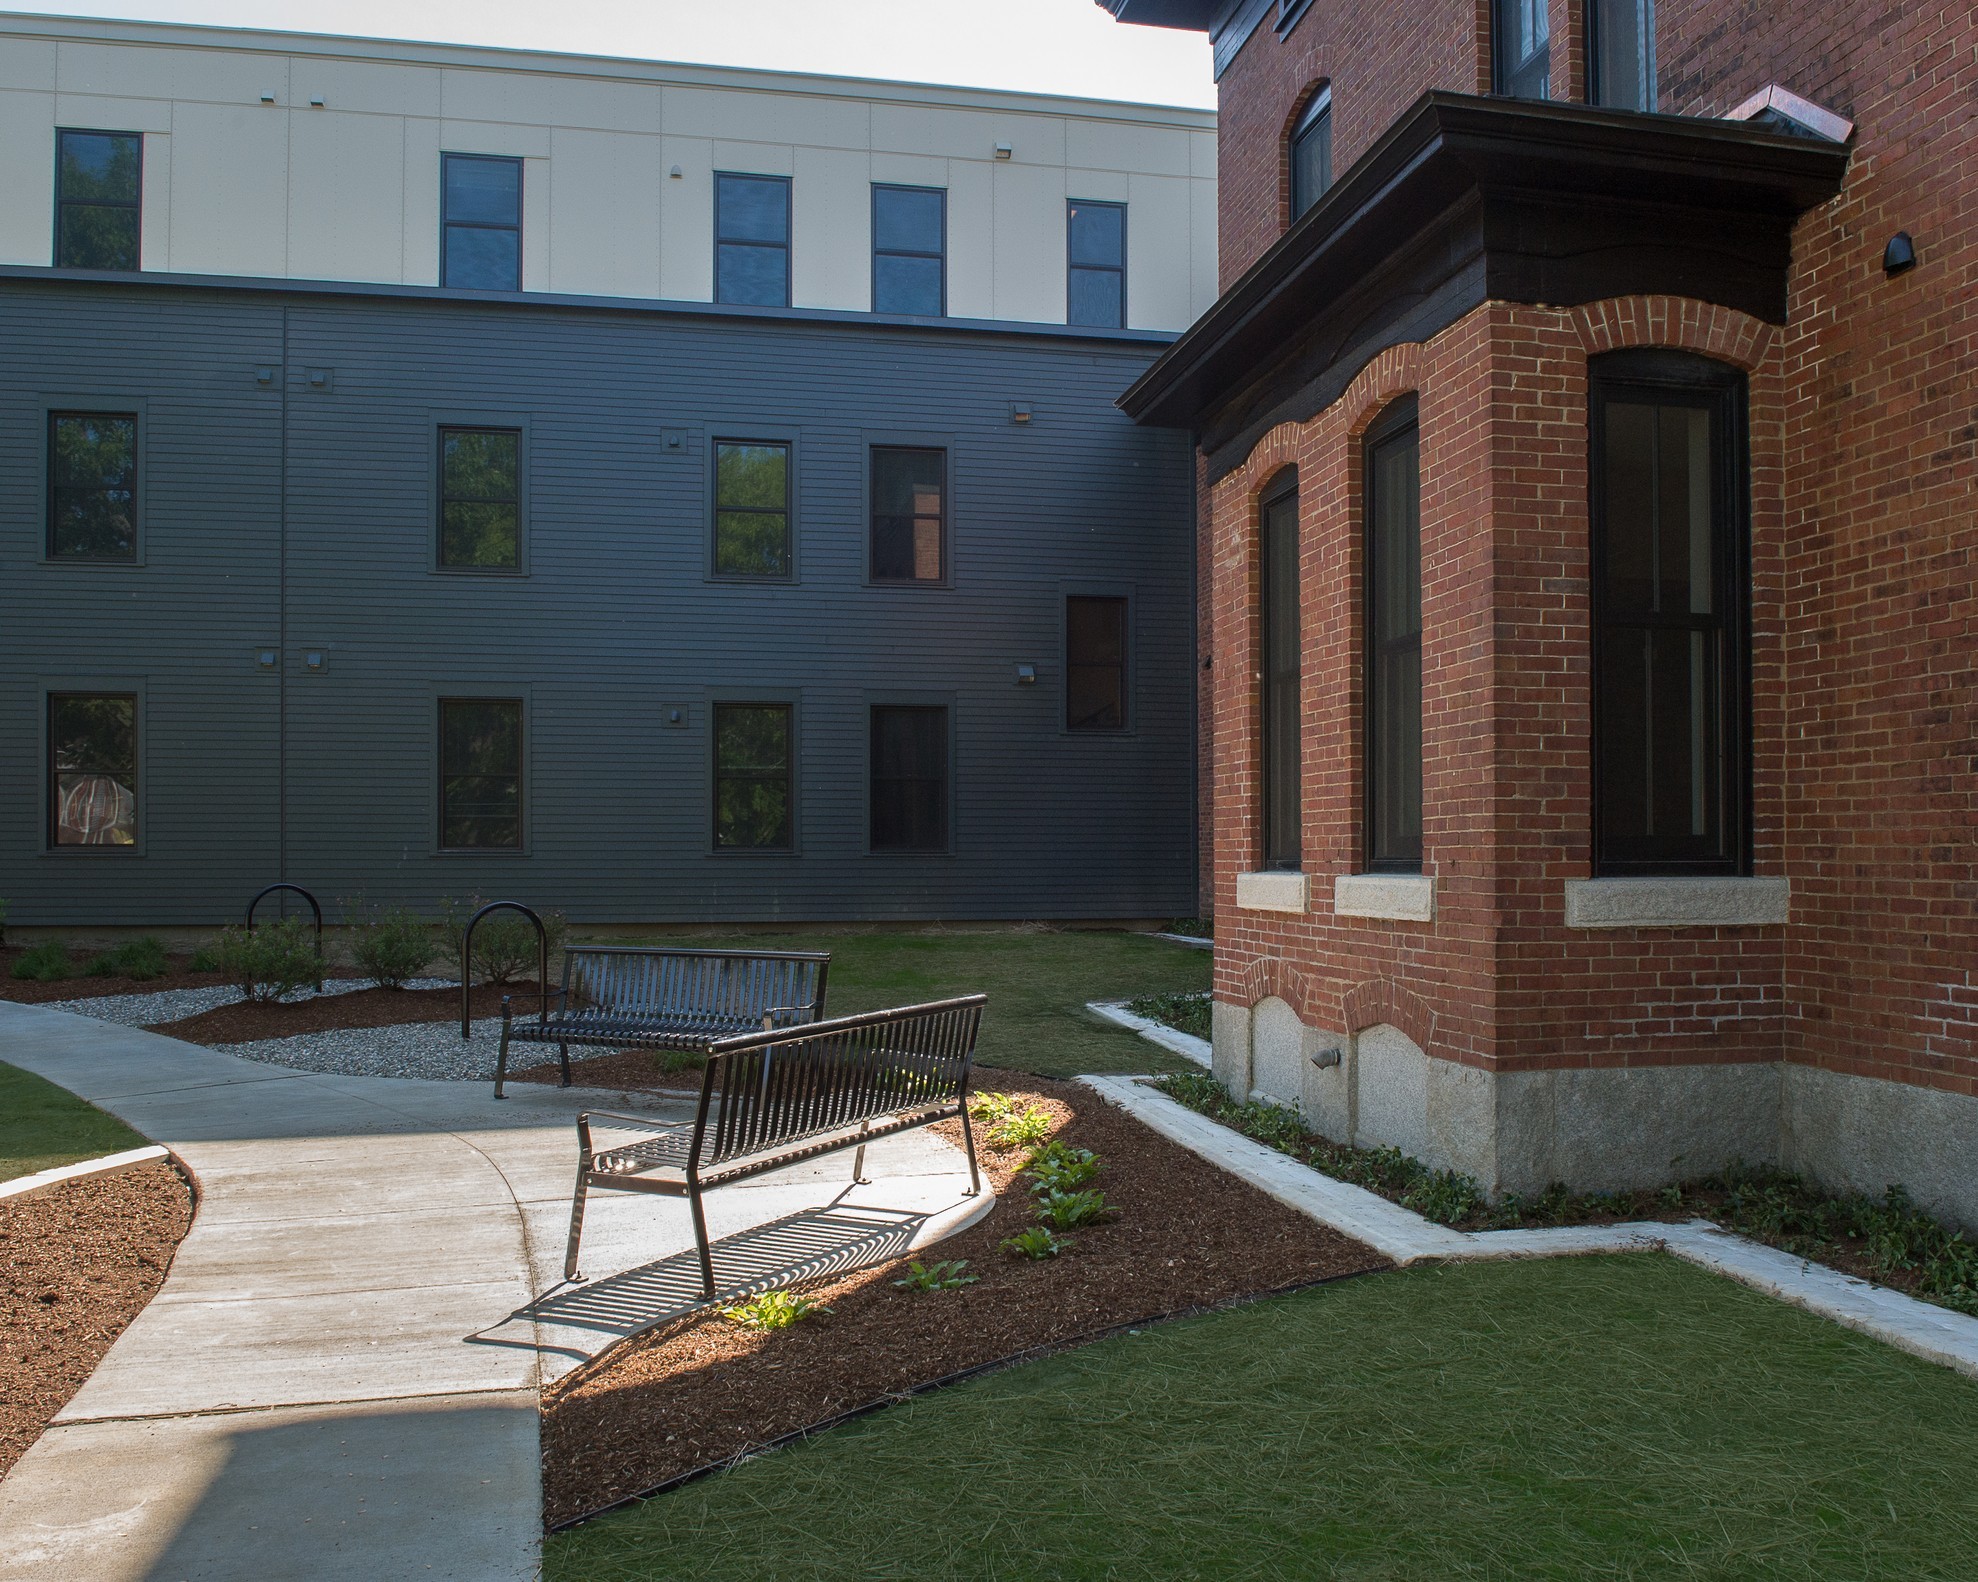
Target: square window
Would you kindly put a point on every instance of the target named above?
(909, 248)
(92, 486)
(752, 776)
(480, 499)
(909, 785)
(481, 774)
(99, 180)
(909, 490)
(751, 509)
(92, 769)
(1095, 664)
(481, 226)
(752, 240)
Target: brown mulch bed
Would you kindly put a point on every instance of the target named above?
(700, 1391)
(29, 991)
(246, 1022)
(77, 1263)
(620, 1068)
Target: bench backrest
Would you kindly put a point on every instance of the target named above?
(726, 985)
(762, 1091)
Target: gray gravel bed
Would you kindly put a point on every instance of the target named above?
(432, 1051)
(171, 1005)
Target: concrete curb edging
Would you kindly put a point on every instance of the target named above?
(1192, 941)
(109, 1164)
(1187, 1045)
(1935, 1334)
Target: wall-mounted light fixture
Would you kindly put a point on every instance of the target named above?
(315, 104)
(676, 173)
(1002, 150)
(264, 375)
(315, 659)
(1019, 411)
(1026, 675)
(1899, 255)
(265, 659)
(267, 98)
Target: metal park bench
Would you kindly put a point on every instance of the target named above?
(772, 1099)
(630, 997)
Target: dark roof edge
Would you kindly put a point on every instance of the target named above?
(658, 306)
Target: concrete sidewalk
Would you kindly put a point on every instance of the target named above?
(340, 1376)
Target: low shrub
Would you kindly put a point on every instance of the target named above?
(392, 944)
(47, 962)
(946, 1275)
(271, 961)
(135, 958)
(204, 958)
(1070, 1210)
(1056, 1168)
(504, 944)
(773, 1310)
(1037, 1242)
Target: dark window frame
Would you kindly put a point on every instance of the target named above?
(786, 246)
(91, 687)
(442, 695)
(757, 698)
(1381, 850)
(789, 446)
(898, 252)
(1281, 805)
(1316, 112)
(1645, 20)
(61, 203)
(1074, 269)
(944, 444)
(1504, 71)
(92, 406)
(1689, 379)
(448, 226)
(480, 423)
(1128, 648)
(946, 702)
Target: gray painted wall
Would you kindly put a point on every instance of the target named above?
(328, 778)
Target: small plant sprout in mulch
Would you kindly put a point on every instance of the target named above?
(1036, 1242)
(773, 1310)
(1185, 1013)
(949, 1274)
(1056, 1168)
(1886, 1239)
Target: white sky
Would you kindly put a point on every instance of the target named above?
(1045, 46)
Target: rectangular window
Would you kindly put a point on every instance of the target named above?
(752, 759)
(909, 489)
(92, 769)
(752, 240)
(1311, 153)
(1521, 49)
(92, 486)
(909, 789)
(1621, 54)
(1095, 664)
(481, 774)
(909, 250)
(1394, 642)
(1096, 246)
(751, 508)
(1283, 749)
(1669, 707)
(481, 233)
(99, 177)
(481, 499)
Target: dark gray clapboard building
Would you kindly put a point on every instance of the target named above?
(793, 602)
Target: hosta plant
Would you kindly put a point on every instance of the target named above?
(773, 1310)
(1069, 1210)
(1038, 1241)
(1056, 1168)
(946, 1275)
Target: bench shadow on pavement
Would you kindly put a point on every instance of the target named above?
(584, 1319)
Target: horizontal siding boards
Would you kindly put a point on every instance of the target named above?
(615, 618)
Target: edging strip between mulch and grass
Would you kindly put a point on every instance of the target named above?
(108, 1164)
(1172, 1039)
(1015, 1359)
(1920, 1328)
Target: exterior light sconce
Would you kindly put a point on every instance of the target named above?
(264, 375)
(265, 659)
(1026, 675)
(676, 716)
(267, 98)
(314, 659)
(676, 174)
(1003, 151)
(315, 104)
(1019, 411)
(1327, 1058)
(1899, 255)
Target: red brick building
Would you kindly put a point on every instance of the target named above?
(1588, 432)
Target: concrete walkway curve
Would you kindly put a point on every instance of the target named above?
(340, 1376)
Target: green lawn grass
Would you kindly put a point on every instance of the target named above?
(1038, 983)
(1612, 1417)
(42, 1125)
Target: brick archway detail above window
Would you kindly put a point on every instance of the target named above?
(1276, 451)
(1268, 976)
(1381, 1000)
(1680, 323)
(1394, 372)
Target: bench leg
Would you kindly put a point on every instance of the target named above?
(576, 1223)
(968, 1147)
(501, 1063)
(700, 1241)
(858, 1159)
(563, 1054)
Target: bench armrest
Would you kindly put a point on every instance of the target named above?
(642, 1123)
(543, 998)
(787, 1016)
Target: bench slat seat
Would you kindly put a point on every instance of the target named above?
(774, 1098)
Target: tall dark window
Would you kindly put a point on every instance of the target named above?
(1521, 49)
(752, 240)
(1621, 54)
(1394, 642)
(92, 769)
(99, 177)
(481, 774)
(752, 760)
(481, 499)
(909, 787)
(751, 508)
(481, 234)
(1096, 247)
(1311, 153)
(909, 250)
(1283, 748)
(1095, 664)
(1668, 476)
(92, 485)
(909, 498)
